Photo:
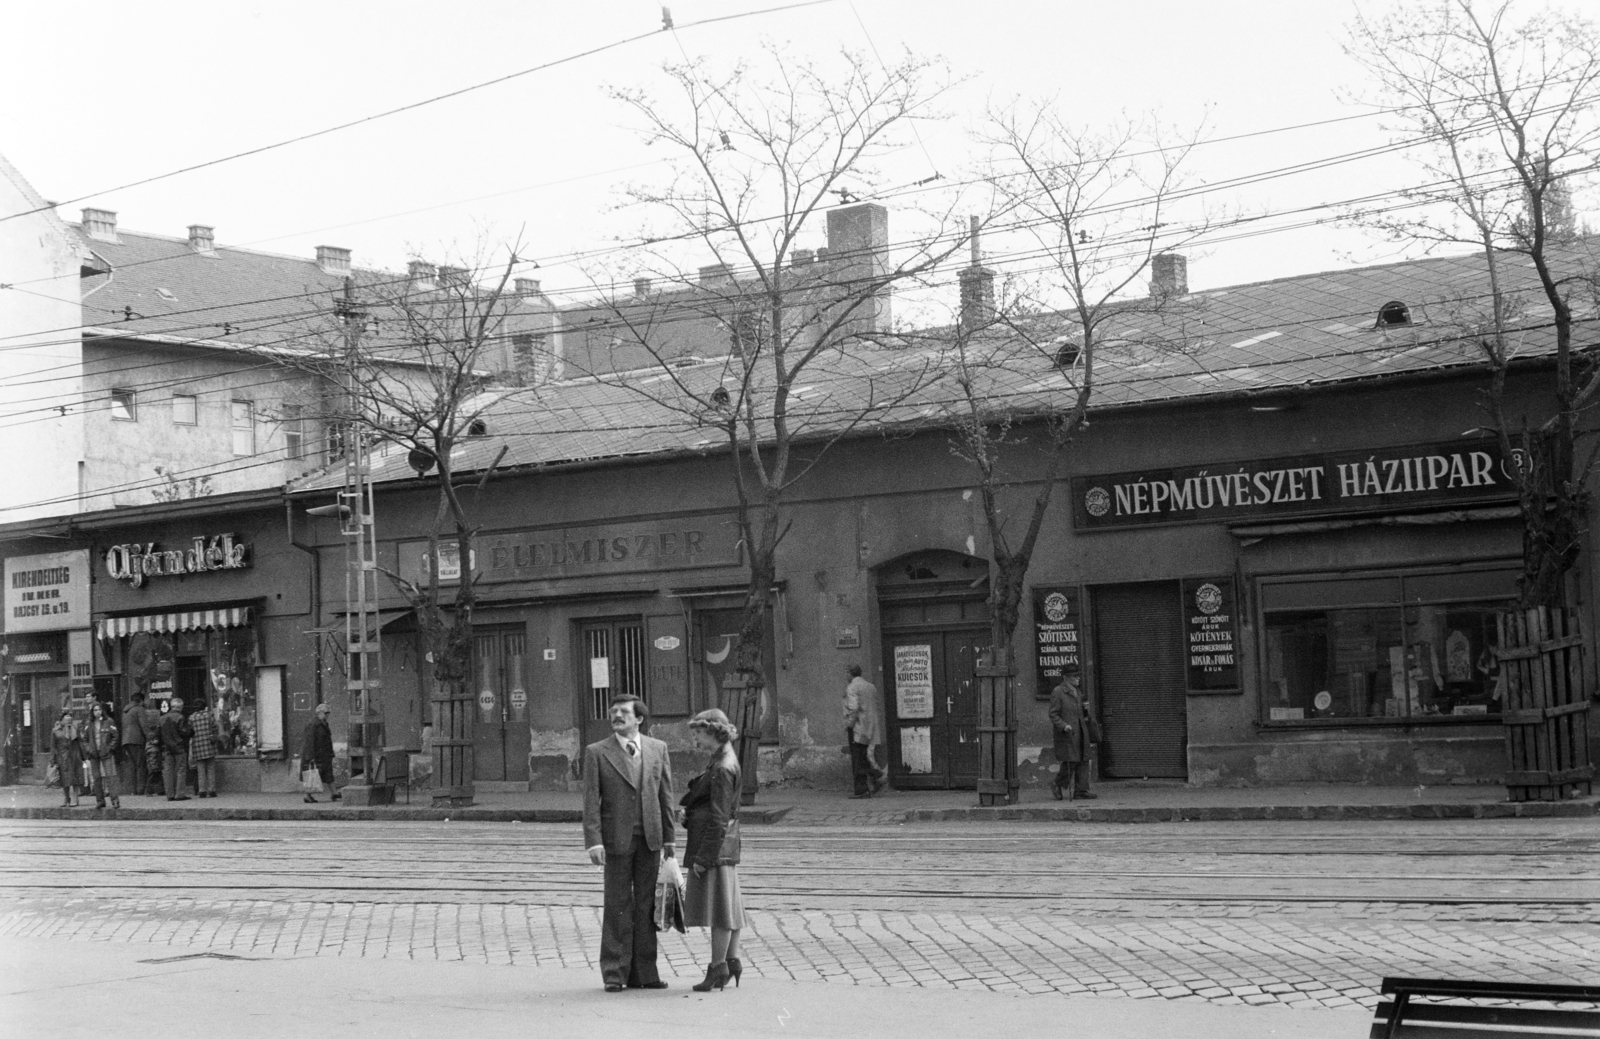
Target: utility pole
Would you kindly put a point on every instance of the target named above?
(362, 632)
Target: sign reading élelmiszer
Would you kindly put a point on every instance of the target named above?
(1211, 634)
(47, 592)
(619, 548)
(1353, 481)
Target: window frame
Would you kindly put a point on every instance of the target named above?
(194, 403)
(235, 428)
(128, 400)
(294, 433)
(1402, 604)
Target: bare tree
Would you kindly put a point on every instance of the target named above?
(414, 364)
(1089, 214)
(763, 348)
(1502, 116)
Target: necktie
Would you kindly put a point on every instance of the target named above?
(632, 750)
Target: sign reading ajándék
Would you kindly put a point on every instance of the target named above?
(1455, 472)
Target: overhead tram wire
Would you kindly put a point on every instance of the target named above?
(415, 105)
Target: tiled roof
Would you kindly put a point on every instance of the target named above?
(1270, 336)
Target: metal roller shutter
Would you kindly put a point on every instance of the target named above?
(1139, 659)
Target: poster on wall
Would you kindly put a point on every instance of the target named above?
(47, 592)
(1211, 634)
(1057, 638)
(916, 749)
(913, 681)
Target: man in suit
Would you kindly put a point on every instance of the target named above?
(1075, 731)
(131, 763)
(627, 826)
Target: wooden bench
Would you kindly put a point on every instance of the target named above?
(1400, 1017)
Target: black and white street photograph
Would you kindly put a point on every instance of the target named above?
(815, 518)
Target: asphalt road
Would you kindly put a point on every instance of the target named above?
(1308, 914)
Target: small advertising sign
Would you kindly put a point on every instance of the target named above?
(913, 681)
(1057, 637)
(1211, 634)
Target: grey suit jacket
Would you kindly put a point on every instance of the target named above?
(611, 806)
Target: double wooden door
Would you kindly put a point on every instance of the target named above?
(931, 707)
(500, 737)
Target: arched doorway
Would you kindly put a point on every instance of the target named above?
(934, 617)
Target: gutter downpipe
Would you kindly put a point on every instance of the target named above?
(315, 597)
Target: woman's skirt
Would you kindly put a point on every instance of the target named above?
(713, 900)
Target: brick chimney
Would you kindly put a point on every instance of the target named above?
(421, 274)
(977, 288)
(525, 286)
(203, 239)
(802, 257)
(641, 287)
(1169, 275)
(101, 224)
(858, 256)
(333, 260)
(452, 277)
(716, 274)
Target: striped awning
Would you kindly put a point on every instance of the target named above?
(188, 620)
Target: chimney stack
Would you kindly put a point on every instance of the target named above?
(203, 239)
(977, 288)
(716, 274)
(420, 274)
(1169, 275)
(858, 258)
(333, 260)
(101, 224)
(526, 286)
(802, 257)
(452, 277)
(641, 287)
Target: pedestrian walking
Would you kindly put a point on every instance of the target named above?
(66, 752)
(316, 752)
(175, 733)
(628, 826)
(203, 751)
(131, 766)
(862, 732)
(1076, 731)
(712, 848)
(100, 745)
(153, 713)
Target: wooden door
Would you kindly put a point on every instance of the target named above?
(1142, 700)
(931, 708)
(500, 735)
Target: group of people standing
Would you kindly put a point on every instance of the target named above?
(149, 753)
(630, 827)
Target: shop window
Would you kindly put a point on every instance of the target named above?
(1405, 659)
(213, 669)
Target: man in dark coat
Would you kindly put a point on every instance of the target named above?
(1075, 731)
(174, 734)
(628, 824)
(131, 764)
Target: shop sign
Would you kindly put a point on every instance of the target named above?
(913, 681)
(1211, 634)
(1352, 481)
(621, 548)
(47, 592)
(1057, 637)
(135, 563)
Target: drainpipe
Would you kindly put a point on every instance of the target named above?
(316, 599)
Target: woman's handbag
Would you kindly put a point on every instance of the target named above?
(52, 774)
(669, 896)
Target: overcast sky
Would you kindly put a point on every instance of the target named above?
(103, 93)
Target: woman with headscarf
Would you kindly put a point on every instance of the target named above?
(66, 748)
(711, 820)
(316, 752)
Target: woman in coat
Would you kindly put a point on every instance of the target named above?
(316, 752)
(711, 819)
(203, 751)
(66, 747)
(100, 743)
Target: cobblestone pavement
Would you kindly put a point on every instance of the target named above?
(1455, 900)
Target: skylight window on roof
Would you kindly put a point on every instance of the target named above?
(1394, 313)
(1068, 354)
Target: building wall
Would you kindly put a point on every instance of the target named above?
(39, 318)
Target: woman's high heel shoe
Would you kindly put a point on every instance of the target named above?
(735, 968)
(716, 978)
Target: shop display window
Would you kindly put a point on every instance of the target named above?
(212, 669)
(1404, 659)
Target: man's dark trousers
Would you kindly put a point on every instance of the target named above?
(627, 927)
(861, 763)
(175, 770)
(132, 769)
